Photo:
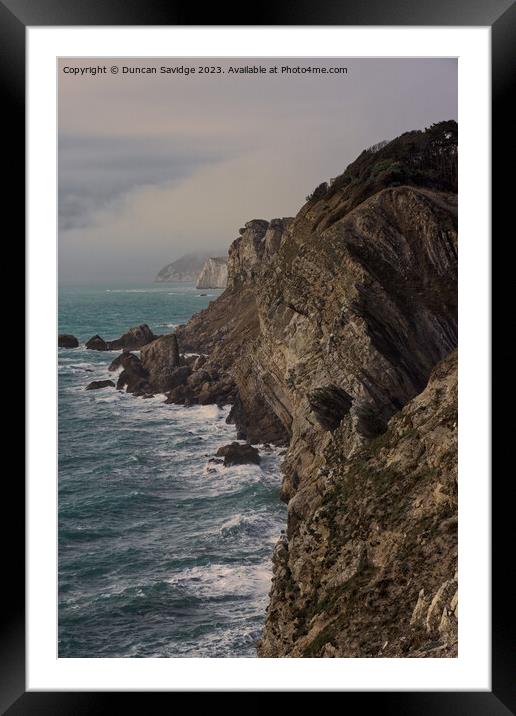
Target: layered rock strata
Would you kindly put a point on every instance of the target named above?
(368, 566)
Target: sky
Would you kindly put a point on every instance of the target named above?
(154, 166)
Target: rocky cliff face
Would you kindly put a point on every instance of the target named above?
(368, 567)
(331, 325)
(214, 273)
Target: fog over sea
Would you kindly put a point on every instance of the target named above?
(161, 553)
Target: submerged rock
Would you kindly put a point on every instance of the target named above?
(98, 384)
(237, 454)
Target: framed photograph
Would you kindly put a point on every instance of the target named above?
(258, 358)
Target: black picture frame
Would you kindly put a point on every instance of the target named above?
(15, 17)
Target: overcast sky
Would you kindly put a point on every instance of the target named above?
(153, 166)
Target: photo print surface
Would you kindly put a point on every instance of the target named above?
(257, 357)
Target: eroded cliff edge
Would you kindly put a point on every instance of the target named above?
(332, 323)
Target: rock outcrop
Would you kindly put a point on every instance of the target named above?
(134, 377)
(132, 340)
(237, 454)
(99, 384)
(162, 369)
(214, 273)
(160, 359)
(96, 343)
(65, 340)
(331, 325)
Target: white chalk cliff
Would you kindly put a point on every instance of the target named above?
(214, 273)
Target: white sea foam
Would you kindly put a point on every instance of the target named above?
(112, 397)
(235, 522)
(206, 412)
(65, 367)
(219, 580)
(220, 643)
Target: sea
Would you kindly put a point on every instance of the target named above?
(162, 553)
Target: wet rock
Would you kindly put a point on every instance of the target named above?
(198, 378)
(65, 340)
(129, 362)
(98, 384)
(161, 358)
(237, 454)
(133, 339)
(180, 395)
(116, 364)
(132, 383)
(179, 376)
(134, 376)
(96, 343)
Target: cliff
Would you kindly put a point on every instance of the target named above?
(185, 269)
(369, 566)
(329, 330)
(214, 273)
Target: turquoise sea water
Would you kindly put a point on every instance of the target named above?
(161, 553)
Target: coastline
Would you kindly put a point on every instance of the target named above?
(336, 338)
